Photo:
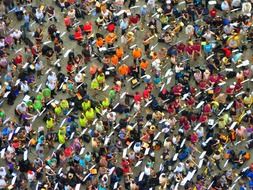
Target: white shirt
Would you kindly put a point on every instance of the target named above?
(24, 87)
(156, 64)
(38, 66)
(147, 170)
(51, 85)
(137, 149)
(225, 6)
(228, 29)
(16, 34)
(52, 78)
(3, 184)
(189, 29)
(137, 106)
(178, 69)
(39, 14)
(2, 43)
(246, 8)
(179, 168)
(236, 3)
(111, 116)
(78, 78)
(151, 2)
(31, 176)
(21, 108)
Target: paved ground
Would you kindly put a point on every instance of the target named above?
(77, 49)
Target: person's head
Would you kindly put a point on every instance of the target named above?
(23, 105)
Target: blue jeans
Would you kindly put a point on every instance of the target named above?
(27, 26)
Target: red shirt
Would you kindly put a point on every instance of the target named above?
(78, 35)
(176, 103)
(111, 27)
(69, 68)
(183, 120)
(217, 90)
(177, 90)
(171, 109)
(146, 94)
(202, 85)
(189, 50)
(137, 98)
(203, 118)
(213, 13)
(207, 108)
(238, 86)
(18, 60)
(196, 47)
(190, 101)
(214, 79)
(187, 126)
(67, 21)
(230, 90)
(181, 47)
(193, 118)
(134, 19)
(227, 52)
(87, 27)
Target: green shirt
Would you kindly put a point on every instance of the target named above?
(58, 110)
(112, 94)
(101, 79)
(50, 123)
(86, 105)
(106, 103)
(62, 136)
(83, 121)
(2, 114)
(94, 84)
(90, 114)
(64, 104)
(37, 105)
(46, 92)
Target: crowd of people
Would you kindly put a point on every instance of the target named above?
(126, 94)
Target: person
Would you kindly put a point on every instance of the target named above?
(137, 53)
(68, 23)
(39, 15)
(16, 35)
(195, 123)
(27, 22)
(51, 13)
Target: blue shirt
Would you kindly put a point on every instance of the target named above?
(27, 18)
(143, 11)
(123, 25)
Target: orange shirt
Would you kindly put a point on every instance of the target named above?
(144, 65)
(100, 42)
(110, 38)
(120, 52)
(123, 69)
(114, 60)
(137, 53)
